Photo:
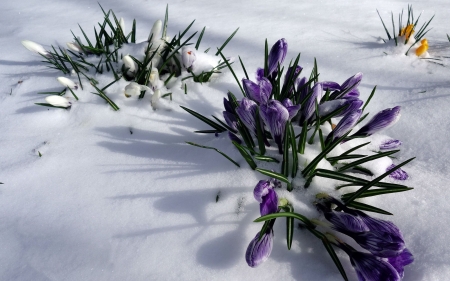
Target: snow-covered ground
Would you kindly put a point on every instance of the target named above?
(121, 196)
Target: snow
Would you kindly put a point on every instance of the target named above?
(121, 196)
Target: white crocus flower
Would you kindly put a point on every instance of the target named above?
(67, 83)
(134, 89)
(154, 80)
(74, 47)
(58, 101)
(156, 30)
(35, 47)
(130, 64)
(122, 25)
(188, 56)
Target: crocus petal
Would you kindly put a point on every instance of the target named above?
(303, 90)
(398, 174)
(382, 120)
(269, 204)
(401, 260)
(259, 73)
(251, 89)
(247, 113)
(343, 222)
(277, 55)
(354, 93)
(260, 92)
(132, 89)
(234, 138)
(347, 122)
(275, 116)
(351, 83)
(58, 101)
(390, 144)
(265, 90)
(156, 30)
(35, 47)
(297, 70)
(130, 64)
(74, 47)
(381, 244)
(330, 86)
(292, 109)
(309, 106)
(188, 57)
(259, 250)
(67, 83)
(371, 268)
(231, 120)
(261, 190)
(227, 105)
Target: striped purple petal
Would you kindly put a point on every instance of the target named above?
(347, 123)
(269, 204)
(382, 120)
(292, 109)
(275, 116)
(277, 54)
(309, 106)
(247, 113)
(401, 260)
(390, 144)
(398, 174)
(258, 251)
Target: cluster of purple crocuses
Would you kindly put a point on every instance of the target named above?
(264, 113)
(387, 254)
(269, 107)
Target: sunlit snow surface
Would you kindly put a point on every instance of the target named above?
(120, 196)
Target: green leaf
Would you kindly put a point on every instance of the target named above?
(200, 38)
(344, 157)
(218, 151)
(208, 121)
(369, 208)
(274, 175)
(259, 133)
(302, 139)
(226, 42)
(289, 225)
(370, 97)
(294, 151)
(243, 68)
(298, 216)
(246, 156)
(365, 187)
(375, 192)
(387, 32)
(286, 142)
(319, 157)
(334, 257)
(366, 159)
(266, 158)
(232, 72)
(133, 32)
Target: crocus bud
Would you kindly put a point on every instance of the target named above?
(275, 116)
(35, 47)
(74, 47)
(122, 25)
(130, 64)
(154, 79)
(231, 120)
(58, 101)
(188, 57)
(351, 83)
(398, 174)
(390, 144)
(156, 30)
(67, 83)
(382, 120)
(277, 55)
(292, 109)
(401, 260)
(134, 89)
(258, 251)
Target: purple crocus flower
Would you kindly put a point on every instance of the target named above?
(260, 93)
(275, 116)
(259, 250)
(261, 190)
(303, 91)
(292, 109)
(266, 196)
(351, 104)
(398, 174)
(277, 55)
(369, 267)
(390, 144)
(351, 83)
(381, 238)
(227, 105)
(310, 105)
(400, 261)
(380, 121)
(347, 122)
(247, 113)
